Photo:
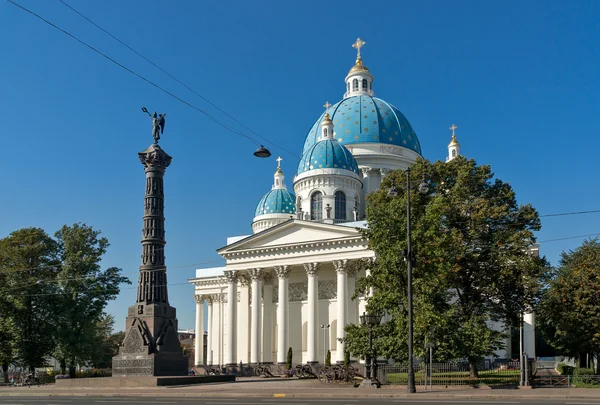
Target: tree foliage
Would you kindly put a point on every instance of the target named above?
(28, 264)
(473, 267)
(52, 295)
(569, 313)
(85, 291)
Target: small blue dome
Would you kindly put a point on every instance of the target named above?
(276, 201)
(327, 154)
(360, 119)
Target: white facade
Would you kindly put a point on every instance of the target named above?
(291, 283)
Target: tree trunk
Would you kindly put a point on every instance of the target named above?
(5, 372)
(72, 370)
(473, 370)
(63, 366)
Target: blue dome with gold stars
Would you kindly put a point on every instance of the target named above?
(361, 119)
(276, 201)
(327, 154)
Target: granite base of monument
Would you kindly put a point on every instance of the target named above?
(140, 382)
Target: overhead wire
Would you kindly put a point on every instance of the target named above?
(214, 119)
(173, 77)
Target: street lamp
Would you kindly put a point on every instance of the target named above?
(325, 329)
(262, 152)
(371, 320)
(409, 257)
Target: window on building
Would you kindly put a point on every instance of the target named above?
(348, 86)
(340, 205)
(325, 131)
(365, 84)
(316, 206)
(453, 152)
(355, 84)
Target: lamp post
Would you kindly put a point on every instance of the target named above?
(325, 329)
(409, 257)
(371, 320)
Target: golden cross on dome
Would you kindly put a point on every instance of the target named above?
(326, 105)
(279, 159)
(452, 128)
(357, 45)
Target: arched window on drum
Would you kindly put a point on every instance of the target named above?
(316, 206)
(340, 206)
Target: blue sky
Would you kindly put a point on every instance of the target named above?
(520, 79)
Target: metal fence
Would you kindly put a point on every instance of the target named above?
(451, 374)
(567, 381)
(21, 378)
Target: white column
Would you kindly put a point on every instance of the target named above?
(255, 275)
(229, 357)
(341, 268)
(267, 318)
(313, 315)
(199, 346)
(283, 273)
(211, 329)
(529, 334)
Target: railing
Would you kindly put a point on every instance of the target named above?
(567, 381)
(451, 374)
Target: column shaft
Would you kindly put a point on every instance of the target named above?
(282, 313)
(210, 338)
(199, 343)
(229, 357)
(313, 315)
(342, 311)
(267, 335)
(255, 274)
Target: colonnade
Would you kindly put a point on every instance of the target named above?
(261, 316)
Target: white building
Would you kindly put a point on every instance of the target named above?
(290, 283)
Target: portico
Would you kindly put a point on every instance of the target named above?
(291, 278)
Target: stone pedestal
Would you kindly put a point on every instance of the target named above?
(151, 346)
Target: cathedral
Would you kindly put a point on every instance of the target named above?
(290, 283)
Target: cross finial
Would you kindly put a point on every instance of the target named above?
(279, 159)
(326, 105)
(452, 128)
(357, 45)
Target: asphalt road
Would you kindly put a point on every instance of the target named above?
(277, 401)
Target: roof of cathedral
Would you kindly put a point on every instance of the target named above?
(360, 119)
(276, 201)
(327, 154)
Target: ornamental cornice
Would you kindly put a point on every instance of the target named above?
(294, 248)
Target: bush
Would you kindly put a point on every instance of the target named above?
(563, 369)
(584, 371)
(288, 362)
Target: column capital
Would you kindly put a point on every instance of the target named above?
(256, 274)
(199, 298)
(311, 268)
(384, 171)
(231, 276)
(341, 266)
(283, 271)
(365, 171)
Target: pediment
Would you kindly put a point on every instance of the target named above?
(293, 232)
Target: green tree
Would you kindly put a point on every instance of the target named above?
(569, 313)
(28, 266)
(85, 291)
(328, 358)
(471, 244)
(105, 344)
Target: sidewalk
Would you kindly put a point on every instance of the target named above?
(265, 388)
